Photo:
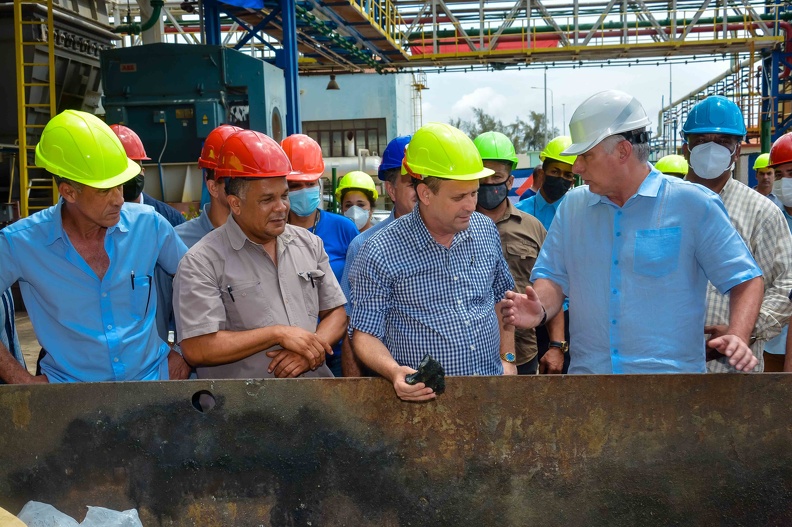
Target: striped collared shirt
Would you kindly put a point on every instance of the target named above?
(761, 225)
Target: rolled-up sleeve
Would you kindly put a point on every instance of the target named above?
(551, 264)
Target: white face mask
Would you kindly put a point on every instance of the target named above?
(358, 215)
(711, 160)
(783, 190)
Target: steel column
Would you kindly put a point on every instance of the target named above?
(289, 18)
(212, 22)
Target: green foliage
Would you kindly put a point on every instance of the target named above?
(525, 135)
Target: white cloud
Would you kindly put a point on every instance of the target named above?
(485, 98)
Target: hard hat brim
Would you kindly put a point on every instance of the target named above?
(575, 149)
(300, 176)
(485, 172)
(132, 170)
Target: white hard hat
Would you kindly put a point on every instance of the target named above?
(602, 115)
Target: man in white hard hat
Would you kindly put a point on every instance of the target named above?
(633, 251)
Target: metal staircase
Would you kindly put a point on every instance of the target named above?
(36, 103)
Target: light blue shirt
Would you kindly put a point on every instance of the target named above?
(352, 251)
(93, 330)
(418, 296)
(540, 209)
(636, 276)
(192, 231)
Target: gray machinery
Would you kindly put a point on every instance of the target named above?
(173, 95)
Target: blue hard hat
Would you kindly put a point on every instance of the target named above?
(393, 155)
(715, 115)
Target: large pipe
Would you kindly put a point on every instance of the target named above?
(738, 20)
(134, 28)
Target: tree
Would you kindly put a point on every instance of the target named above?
(525, 135)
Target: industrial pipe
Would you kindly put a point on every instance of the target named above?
(134, 28)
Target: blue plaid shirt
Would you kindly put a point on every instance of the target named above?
(419, 297)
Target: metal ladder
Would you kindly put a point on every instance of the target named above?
(36, 189)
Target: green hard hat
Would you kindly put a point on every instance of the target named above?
(672, 164)
(440, 150)
(494, 146)
(79, 146)
(762, 161)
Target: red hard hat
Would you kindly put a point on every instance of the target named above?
(252, 154)
(781, 151)
(305, 155)
(214, 141)
(131, 142)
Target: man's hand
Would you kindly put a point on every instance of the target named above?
(552, 361)
(509, 368)
(407, 392)
(732, 346)
(178, 369)
(306, 344)
(36, 379)
(522, 311)
(287, 363)
(714, 332)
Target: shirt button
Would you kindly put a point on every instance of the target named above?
(618, 234)
(613, 322)
(615, 352)
(467, 322)
(615, 262)
(619, 213)
(115, 360)
(459, 302)
(472, 347)
(104, 295)
(614, 291)
(109, 326)
(456, 278)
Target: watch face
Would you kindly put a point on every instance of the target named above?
(510, 357)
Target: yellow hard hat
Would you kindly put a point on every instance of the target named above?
(440, 150)
(79, 146)
(672, 164)
(762, 161)
(555, 147)
(356, 180)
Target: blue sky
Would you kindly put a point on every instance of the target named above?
(507, 94)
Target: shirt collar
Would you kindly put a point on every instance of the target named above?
(650, 188)
(727, 187)
(237, 238)
(425, 238)
(510, 212)
(57, 231)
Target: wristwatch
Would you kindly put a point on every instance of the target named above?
(508, 357)
(562, 345)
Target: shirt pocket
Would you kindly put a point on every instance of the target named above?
(657, 251)
(246, 306)
(521, 254)
(141, 296)
(311, 280)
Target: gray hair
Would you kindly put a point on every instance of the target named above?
(76, 186)
(639, 150)
(392, 175)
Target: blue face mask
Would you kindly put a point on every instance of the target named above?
(305, 201)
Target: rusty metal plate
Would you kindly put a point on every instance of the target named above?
(574, 450)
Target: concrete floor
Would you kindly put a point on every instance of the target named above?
(27, 340)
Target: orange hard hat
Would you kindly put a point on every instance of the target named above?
(251, 154)
(214, 141)
(305, 155)
(131, 142)
(781, 151)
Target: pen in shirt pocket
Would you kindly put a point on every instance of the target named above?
(231, 294)
(132, 279)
